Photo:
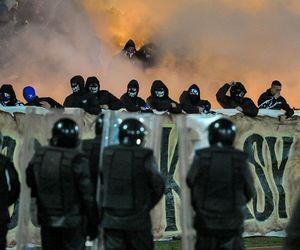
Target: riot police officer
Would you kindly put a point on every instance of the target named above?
(131, 187)
(92, 149)
(59, 178)
(221, 185)
(9, 193)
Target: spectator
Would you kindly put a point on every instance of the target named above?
(160, 100)
(237, 99)
(8, 96)
(131, 101)
(191, 102)
(33, 100)
(272, 99)
(104, 98)
(80, 98)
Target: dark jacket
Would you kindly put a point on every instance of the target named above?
(132, 186)
(104, 97)
(221, 185)
(9, 189)
(39, 100)
(133, 104)
(191, 103)
(162, 103)
(60, 180)
(267, 101)
(7, 88)
(84, 100)
(227, 102)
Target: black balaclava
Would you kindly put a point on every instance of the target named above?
(7, 95)
(77, 84)
(194, 93)
(159, 89)
(238, 91)
(92, 85)
(133, 88)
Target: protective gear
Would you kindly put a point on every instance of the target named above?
(160, 93)
(131, 187)
(99, 125)
(238, 91)
(60, 180)
(77, 84)
(29, 94)
(65, 133)
(221, 132)
(221, 185)
(131, 132)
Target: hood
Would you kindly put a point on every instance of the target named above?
(159, 85)
(133, 84)
(77, 80)
(92, 84)
(7, 88)
(130, 43)
(238, 91)
(195, 87)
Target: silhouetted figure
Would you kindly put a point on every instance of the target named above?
(160, 100)
(191, 102)
(237, 99)
(221, 185)
(131, 188)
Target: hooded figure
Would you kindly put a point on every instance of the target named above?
(8, 96)
(33, 100)
(131, 101)
(80, 98)
(147, 54)
(129, 49)
(160, 100)
(103, 97)
(191, 102)
(237, 99)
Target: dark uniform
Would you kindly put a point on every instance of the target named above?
(292, 241)
(221, 185)
(82, 98)
(131, 187)
(131, 101)
(268, 101)
(160, 100)
(9, 193)
(92, 148)
(59, 178)
(191, 102)
(104, 97)
(236, 98)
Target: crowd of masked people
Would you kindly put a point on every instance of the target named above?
(89, 96)
(65, 175)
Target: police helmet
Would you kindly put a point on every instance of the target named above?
(65, 133)
(131, 132)
(221, 131)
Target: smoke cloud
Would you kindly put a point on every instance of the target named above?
(201, 41)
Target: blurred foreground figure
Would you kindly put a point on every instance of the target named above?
(221, 185)
(60, 180)
(131, 187)
(236, 99)
(92, 148)
(272, 99)
(9, 193)
(292, 241)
